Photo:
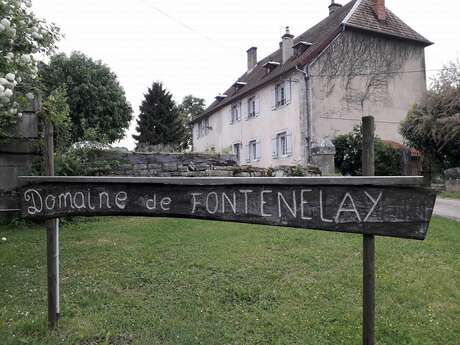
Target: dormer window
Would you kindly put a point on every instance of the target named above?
(238, 85)
(220, 97)
(300, 47)
(270, 66)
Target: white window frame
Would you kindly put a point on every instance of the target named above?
(203, 127)
(252, 107)
(235, 112)
(240, 150)
(254, 151)
(282, 94)
(279, 151)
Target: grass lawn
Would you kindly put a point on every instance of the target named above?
(172, 281)
(450, 195)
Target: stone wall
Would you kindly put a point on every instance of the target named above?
(452, 178)
(190, 165)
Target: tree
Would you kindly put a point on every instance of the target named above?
(433, 126)
(190, 108)
(23, 38)
(159, 121)
(98, 107)
(348, 157)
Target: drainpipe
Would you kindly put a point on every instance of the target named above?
(309, 98)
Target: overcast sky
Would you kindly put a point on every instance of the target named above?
(199, 46)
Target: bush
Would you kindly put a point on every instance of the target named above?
(85, 160)
(348, 154)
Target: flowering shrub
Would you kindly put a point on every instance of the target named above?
(24, 38)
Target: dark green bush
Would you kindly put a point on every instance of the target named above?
(348, 154)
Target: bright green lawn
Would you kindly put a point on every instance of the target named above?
(171, 281)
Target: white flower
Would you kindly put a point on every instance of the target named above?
(3, 81)
(2, 27)
(9, 56)
(8, 93)
(2, 88)
(5, 22)
(36, 35)
(30, 96)
(20, 115)
(4, 239)
(10, 77)
(26, 58)
(13, 111)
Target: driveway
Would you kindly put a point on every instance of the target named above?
(447, 208)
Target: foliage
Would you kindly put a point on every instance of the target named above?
(186, 282)
(190, 108)
(433, 126)
(23, 39)
(98, 106)
(84, 160)
(56, 110)
(159, 120)
(349, 155)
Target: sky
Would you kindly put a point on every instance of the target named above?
(199, 47)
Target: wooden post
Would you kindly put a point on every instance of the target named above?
(52, 227)
(368, 169)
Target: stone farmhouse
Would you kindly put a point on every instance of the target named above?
(285, 109)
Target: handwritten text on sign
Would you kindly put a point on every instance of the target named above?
(383, 210)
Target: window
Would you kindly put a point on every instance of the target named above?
(282, 144)
(254, 151)
(252, 106)
(282, 94)
(235, 113)
(237, 151)
(203, 127)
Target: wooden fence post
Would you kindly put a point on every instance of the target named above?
(368, 169)
(52, 227)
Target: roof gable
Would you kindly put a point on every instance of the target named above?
(357, 14)
(362, 16)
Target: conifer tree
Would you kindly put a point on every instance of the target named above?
(159, 120)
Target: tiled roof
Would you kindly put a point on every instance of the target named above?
(363, 17)
(355, 14)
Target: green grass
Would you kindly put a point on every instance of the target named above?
(450, 195)
(172, 281)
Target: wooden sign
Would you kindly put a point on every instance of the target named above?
(388, 206)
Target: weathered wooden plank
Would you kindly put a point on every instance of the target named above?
(376, 206)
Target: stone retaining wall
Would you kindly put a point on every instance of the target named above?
(190, 165)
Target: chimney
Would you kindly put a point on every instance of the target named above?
(379, 9)
(252, 58)
(333, 7)
(287, 45)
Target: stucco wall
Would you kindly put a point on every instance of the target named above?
(334, 113)
(263, 127)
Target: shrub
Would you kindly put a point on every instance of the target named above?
(348, 155)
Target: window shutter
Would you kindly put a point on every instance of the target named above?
(246, 109)
(274, 98)
(239, 111)
(274, 148)
(289, 142)
(248, 153)
(231, 115)
(287, 87)
(258, 153)
(257, 100)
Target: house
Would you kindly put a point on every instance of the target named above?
(285, 109)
